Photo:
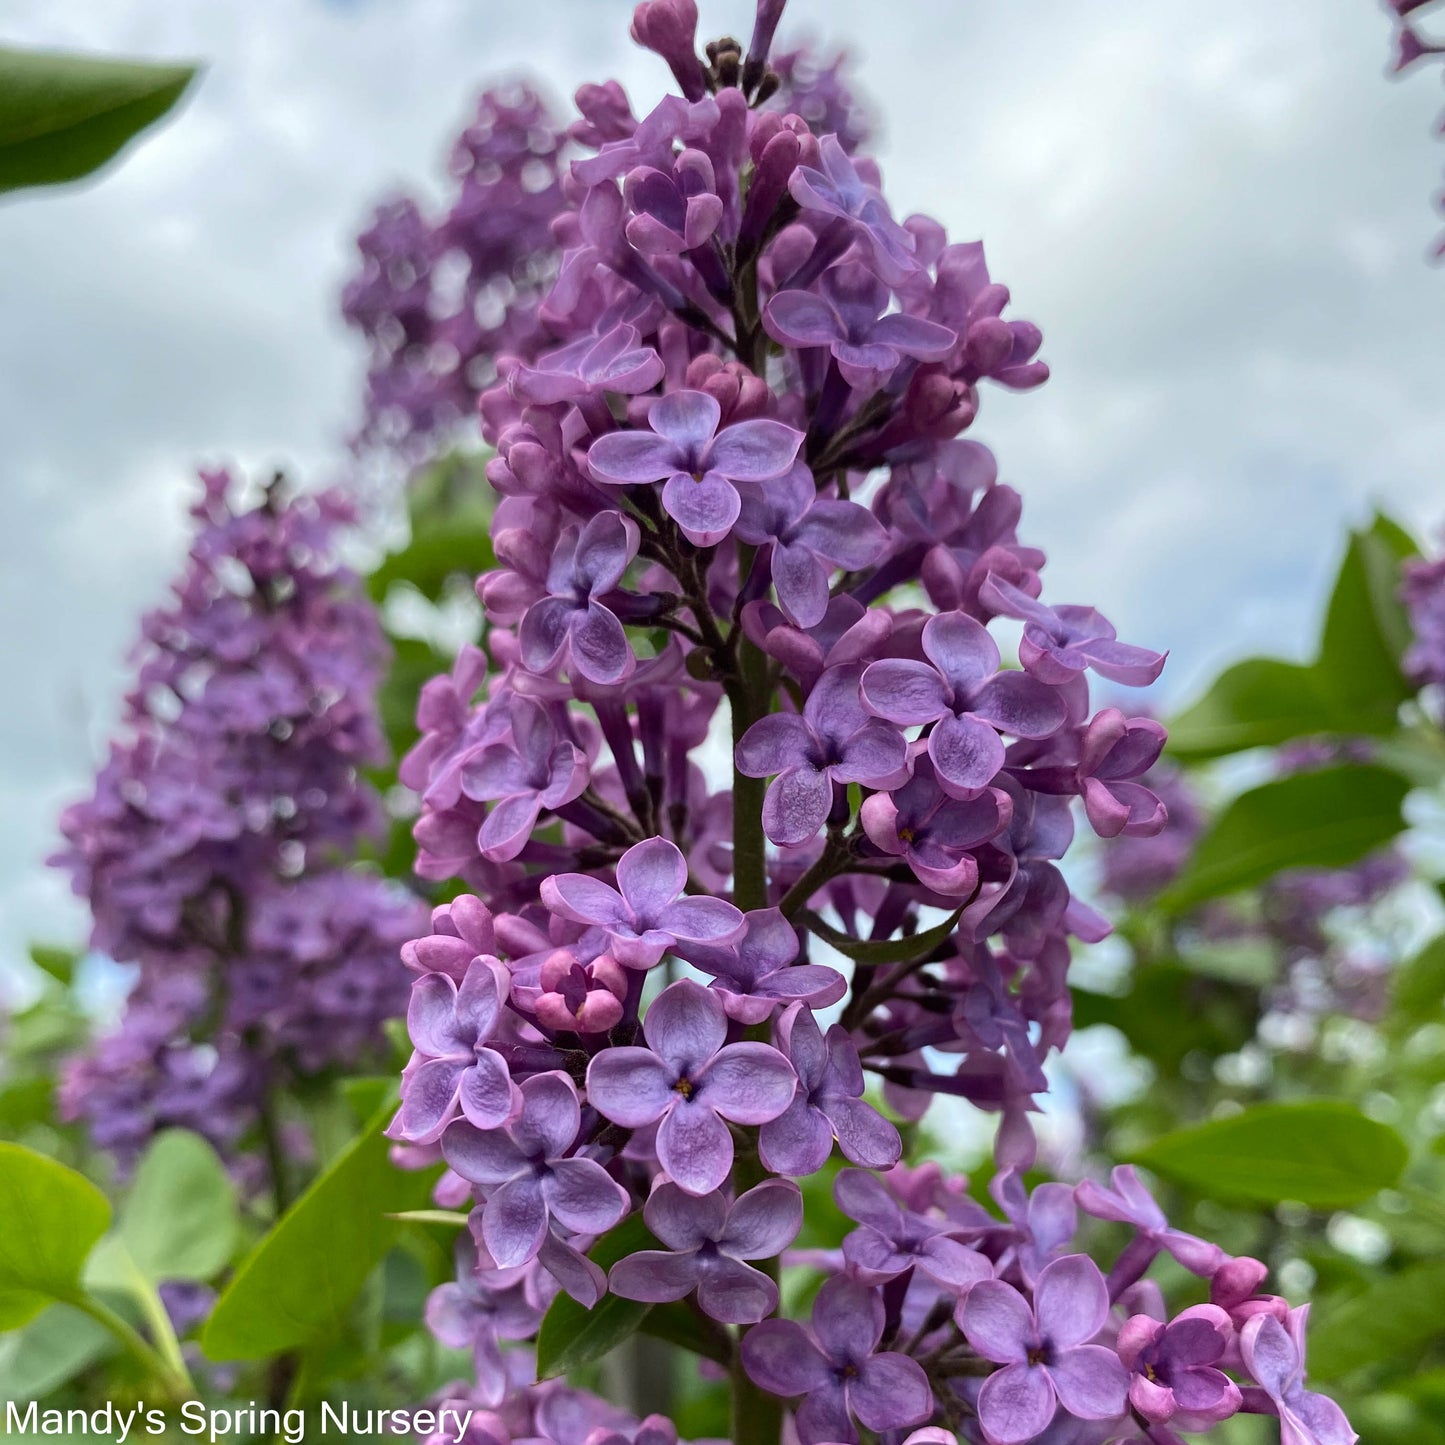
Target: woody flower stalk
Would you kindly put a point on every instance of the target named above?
(725, 493)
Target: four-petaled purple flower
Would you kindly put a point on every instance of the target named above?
(838, 1368)
(891, 1240)
(1045, 1350)
(614, 361)
(644, 915)
(1174, 1369)
(708, 1241)
(810, 538)
(527, 1176)
(829, 1104)
(1274, 1355)
(1127, 1201)
(839, 191)
(673, 212)
(936, 833)
(699, 464)
(570, 626)
(452, 1069)
(755, 974)
(692, 1083)
(537, 770)
(833, 740)
(1060, 642)
(1113, 750)
(479, 1310)
(966, 697)
(866, 344)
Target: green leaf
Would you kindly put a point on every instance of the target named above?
(59, 963)
(1321, 1154)
(50, 1219)
(50, 1350)
(63, 116)
(1367, 630)
(1418, 991)
(573, 1335)
(1258, 703)
(1323, 819)
(1385, 1323)
(297, 1285)
(890, 950)
(180, 1218)
(680, 1326)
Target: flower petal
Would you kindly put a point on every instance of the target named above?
(1016, 1403)
(998, 1322)
(891, 1392)
(705, 509)
(626, 458)
(650, 875)
(685, 1025)
(630, 1086)
(1071, 1301)
(1091, 1381)
(514, 1222)
(764, 1221)
(748, 1083)
(796, 805)
(754, 451)
(583, 1196)
(695, 1147)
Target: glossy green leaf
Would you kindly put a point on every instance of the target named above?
(1322, 1154)
(51, 1349)
(1323, 819)
(573, 1335)
(890, 950)
(180, 1218)
(63, 116)
(679, 1325)
(298, 1284)
(1367, 630)
(50, 1219)
(1388, 1322)
(1258, 703)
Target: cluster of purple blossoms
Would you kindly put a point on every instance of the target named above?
(439, 298)
(727, 493)
(211, 852)
(1414, 47)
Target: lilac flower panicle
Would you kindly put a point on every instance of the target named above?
(743, 696)
(212, 851)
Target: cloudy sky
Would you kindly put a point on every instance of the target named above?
(1217, 213)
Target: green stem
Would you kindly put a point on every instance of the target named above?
(173, 1378)
(757, 1417)
(270, 1123)
(749, 701)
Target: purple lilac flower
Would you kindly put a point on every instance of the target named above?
(1060, 642)
(809, 540)
(962, 692)
(1113, 751)
(833, 741)
(848, 320)
(936, 834)
(1127, 1201)
(529, 1176)
(891, 1240)
(709, 1242)
(829, 1104)
(570, 626)
(1045, 1350)
(699, 462)
(483, 1307)
(1423, 592)
(691, 1084)
(452, 1070)
(535, 771)
(646, 914)
(756, 974)
(839, 191)
(838, 1367)
(1274, 1356)
(1175, 1377)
